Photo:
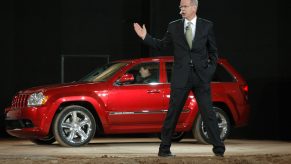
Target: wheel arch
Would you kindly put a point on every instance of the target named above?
(85, 104)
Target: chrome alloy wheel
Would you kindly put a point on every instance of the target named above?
(76, 127)
(222, 125)
(199, 129)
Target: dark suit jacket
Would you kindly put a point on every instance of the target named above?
(203, 52)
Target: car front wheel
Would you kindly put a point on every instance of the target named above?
(199, 129)
(74, 126)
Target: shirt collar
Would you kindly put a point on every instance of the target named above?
(193, 21)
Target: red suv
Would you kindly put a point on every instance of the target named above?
(114, 99)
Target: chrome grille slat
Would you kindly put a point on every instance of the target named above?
(20, 100)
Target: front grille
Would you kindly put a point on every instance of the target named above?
(20, 101)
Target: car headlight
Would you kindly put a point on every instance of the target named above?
(37, 99)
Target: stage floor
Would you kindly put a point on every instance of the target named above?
(143, 150)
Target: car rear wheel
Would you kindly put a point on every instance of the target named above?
(46, 141)
(74, 126)
(176, 137)
(199, 129)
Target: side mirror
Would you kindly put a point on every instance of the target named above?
(128, 77)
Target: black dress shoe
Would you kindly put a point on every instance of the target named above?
(166, 154)
(219, 155)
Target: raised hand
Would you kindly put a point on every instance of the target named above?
(140, 31)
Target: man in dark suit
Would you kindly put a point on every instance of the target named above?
(195, 56)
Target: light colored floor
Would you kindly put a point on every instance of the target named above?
(139, 147)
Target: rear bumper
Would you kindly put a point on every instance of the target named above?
(243, 115)
(27, 122)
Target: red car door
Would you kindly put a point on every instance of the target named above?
(137, 103)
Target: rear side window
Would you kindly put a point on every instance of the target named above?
(220, 75)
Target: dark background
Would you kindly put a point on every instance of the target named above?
(252, 35)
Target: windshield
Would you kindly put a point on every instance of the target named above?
(103, 73)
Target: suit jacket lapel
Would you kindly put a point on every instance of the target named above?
(181, 32)
(198, 31)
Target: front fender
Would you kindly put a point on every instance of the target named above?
(95, 101)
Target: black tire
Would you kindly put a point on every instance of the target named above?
(48, 141)
(74, 126)
(176, 137)
(200, 133)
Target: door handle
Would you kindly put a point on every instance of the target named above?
(153, 91)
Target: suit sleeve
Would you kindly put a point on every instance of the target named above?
(211, 46)
(159, 44)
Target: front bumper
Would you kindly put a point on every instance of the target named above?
(27, 122)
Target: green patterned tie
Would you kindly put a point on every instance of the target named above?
(189, 35)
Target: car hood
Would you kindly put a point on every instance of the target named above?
(59, 87)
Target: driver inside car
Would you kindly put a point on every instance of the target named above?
(146, 75)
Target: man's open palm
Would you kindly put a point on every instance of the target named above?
(140, 31)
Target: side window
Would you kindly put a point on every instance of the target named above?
(222, 75)
(145, 73)
(169, 69)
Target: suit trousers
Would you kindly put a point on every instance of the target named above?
(178, 98)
